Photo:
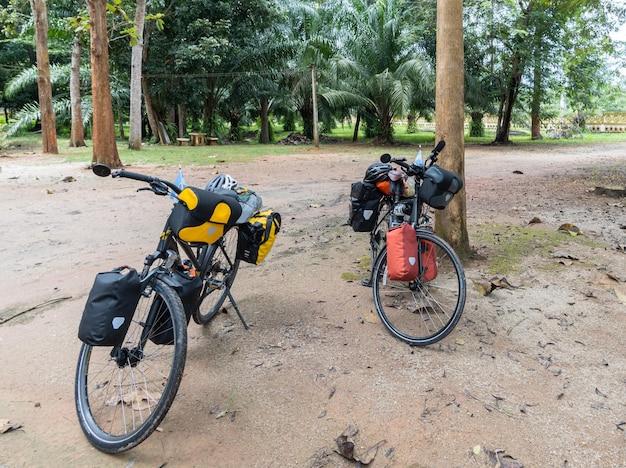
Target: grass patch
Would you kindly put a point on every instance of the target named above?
(362, 270)
(505, 247)
(405, 146)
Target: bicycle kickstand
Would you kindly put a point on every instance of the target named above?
(232, 301)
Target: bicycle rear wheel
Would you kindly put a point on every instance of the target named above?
(123, 393)
(425, 310)
(221, 264)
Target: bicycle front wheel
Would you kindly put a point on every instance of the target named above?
(123, 393)
(425, 310)
(221, 265)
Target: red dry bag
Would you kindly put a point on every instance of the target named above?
(402, 262)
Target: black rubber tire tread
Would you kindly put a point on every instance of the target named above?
(421, 313)
(96, 370)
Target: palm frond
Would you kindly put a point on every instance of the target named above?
(27, 117)
(59, 75)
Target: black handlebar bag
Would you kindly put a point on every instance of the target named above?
(439, 187)
(110, 307)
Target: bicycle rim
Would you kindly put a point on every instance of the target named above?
(122, 394)
(423, 311)
(221, 271)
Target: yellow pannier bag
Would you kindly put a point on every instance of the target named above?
(202, 216)
(257, 236)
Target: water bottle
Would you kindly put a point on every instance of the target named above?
(418, 159)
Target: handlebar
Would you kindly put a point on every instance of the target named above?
(412, 169)
(158, 186)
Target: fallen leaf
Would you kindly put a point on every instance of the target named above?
(345, 443)
(501, 459)
(621, 296)
(367, 456)
(564, 255)
(7, 426)
(483, 287)
(501, 283)
(571, 229)
(372, 318)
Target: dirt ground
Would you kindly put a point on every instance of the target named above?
(534, 375)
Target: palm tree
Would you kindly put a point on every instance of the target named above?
(392, 76)
(60, 77)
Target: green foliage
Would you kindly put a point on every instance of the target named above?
(216, 59)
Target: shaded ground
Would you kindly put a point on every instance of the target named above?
(537, 373)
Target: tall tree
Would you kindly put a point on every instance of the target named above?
(103, 135)
(451, 223)
(134, 139)
(48, 126)
(77, 134)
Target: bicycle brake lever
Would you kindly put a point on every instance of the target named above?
(159, 188)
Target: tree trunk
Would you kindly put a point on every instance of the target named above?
(515, 79)
(77, 134)
(477, 128)
(504, 130)
(306, 112)
(103, 136)
(535, 112)
(265, 121)
(48, 128)
(451, 223)
(355, 135)
(234, 117)
(134, 139)
(210, 106)
(182, 120)
(502, 136)
(386, 127)
(153, 120)
(151, 114)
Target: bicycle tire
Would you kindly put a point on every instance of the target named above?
(223, 265)
(122, 394)
(421, 312)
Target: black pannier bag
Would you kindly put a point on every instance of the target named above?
(364, 200)
(439, 186)
(110, 308)
(188, 287)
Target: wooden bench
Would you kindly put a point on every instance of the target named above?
(182, 141)
(211, 141)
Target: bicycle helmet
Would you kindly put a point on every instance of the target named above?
(376, 172)
(221, 181)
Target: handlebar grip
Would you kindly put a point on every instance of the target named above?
(441, 145)
(133, 175)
